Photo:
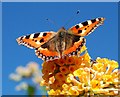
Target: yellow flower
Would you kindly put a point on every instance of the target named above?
(85, 64)
(77, 72)
(115, 73)
(111, 66)
(83, 49)
(69, 60)
(45, 71)
(72, 68)
(73, 90)
(51, 80)
(68, 80)
(58, 91)
(61, 78)
(43, 83)
(51, 67)
(48, 67)
(107, 78)
(86, 57)
(77, 75)
(46, 77)
(102, 60)
(60, 62)
(99, 67)
(78, 61)
(55, 85)
(51, 92)
(65, 86)
(95, 84)
(64, 69)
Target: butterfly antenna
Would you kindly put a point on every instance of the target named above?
(52, 22)
(72, 18)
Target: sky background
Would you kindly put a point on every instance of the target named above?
(26, 18)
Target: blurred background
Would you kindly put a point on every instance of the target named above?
(26, 18)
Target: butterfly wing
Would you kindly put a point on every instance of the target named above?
(73, 44)
(46, 55)
(48, 50)
(85, 28)
(38, 42)
(35, 40)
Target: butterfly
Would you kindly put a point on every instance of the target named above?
(50, 45)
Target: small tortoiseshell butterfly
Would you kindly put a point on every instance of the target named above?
(51, 45)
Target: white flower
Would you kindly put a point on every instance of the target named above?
(27, 72)
(22, 86)
(20, 70)
(18, 88)
(15, 77)
(33, 66)
(23, 71)
(37, 79)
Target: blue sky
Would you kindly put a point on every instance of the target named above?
(26, 18)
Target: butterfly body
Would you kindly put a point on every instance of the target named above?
(62, 41)
(51, 45)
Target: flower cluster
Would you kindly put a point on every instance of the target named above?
(30, 72)
(79, 75)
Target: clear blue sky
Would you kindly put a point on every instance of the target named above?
(25, 18)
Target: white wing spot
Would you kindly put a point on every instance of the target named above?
(89, 22)
(83, 31)
(41, 34)
(81, 25)
(97, 19)
(37, 42)
(31, 36)
(43, 57)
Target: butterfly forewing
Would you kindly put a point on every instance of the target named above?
(35, 40)
(85, 28)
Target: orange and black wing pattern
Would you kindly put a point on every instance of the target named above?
(85, 28)
(35, 40)
(74, 47)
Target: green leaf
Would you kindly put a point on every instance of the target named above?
(31, 91)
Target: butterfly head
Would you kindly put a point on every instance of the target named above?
(61, 32)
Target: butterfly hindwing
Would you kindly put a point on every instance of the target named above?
(35, 40)
(75, 46)
(48, 50)
(85, 28)
(46, 54)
